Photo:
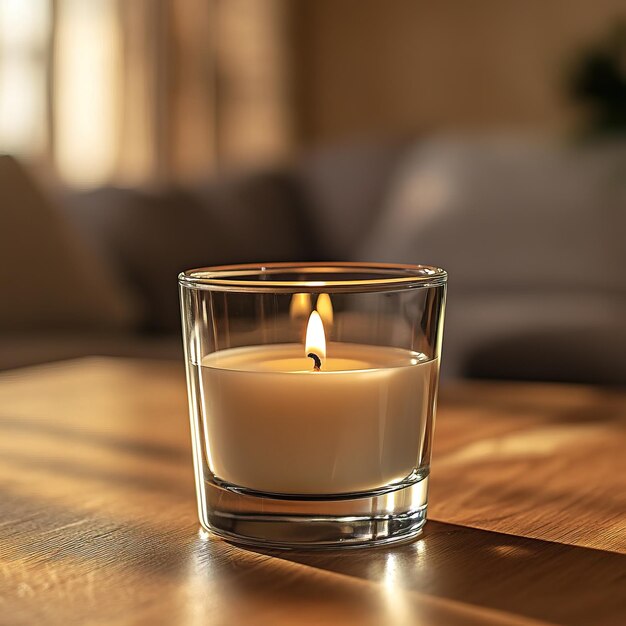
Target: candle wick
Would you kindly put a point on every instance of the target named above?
(318, 363)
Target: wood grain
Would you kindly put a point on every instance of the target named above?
(98, 523)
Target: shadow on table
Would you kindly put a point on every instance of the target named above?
(125, 564)
(527, 577)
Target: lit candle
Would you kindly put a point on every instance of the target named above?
(316, 418)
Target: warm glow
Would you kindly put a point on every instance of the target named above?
(325, 308)
(300, 306)
(315, 337)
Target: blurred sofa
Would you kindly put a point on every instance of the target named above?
(531, 232)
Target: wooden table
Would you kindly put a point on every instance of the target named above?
(98, 523)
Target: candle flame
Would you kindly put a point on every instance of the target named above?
(325, 308)
(315, 337)
(300, 306)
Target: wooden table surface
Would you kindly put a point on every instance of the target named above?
(98, 523)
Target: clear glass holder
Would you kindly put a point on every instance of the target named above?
(288, 522)
(312, 394)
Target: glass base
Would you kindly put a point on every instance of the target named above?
(289, 522)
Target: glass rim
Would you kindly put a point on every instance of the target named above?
(257, 277)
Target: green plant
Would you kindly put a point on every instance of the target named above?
(598, 83)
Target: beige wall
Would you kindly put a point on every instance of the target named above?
(377, 67)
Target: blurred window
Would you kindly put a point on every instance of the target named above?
(128, 92)
(86, 90)
(24, 40)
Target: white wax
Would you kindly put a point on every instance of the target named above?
(273, 424)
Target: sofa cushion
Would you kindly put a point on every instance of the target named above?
(49, 278)
(536, 336)
(508, 215)
(346, 186)
(154, 235)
